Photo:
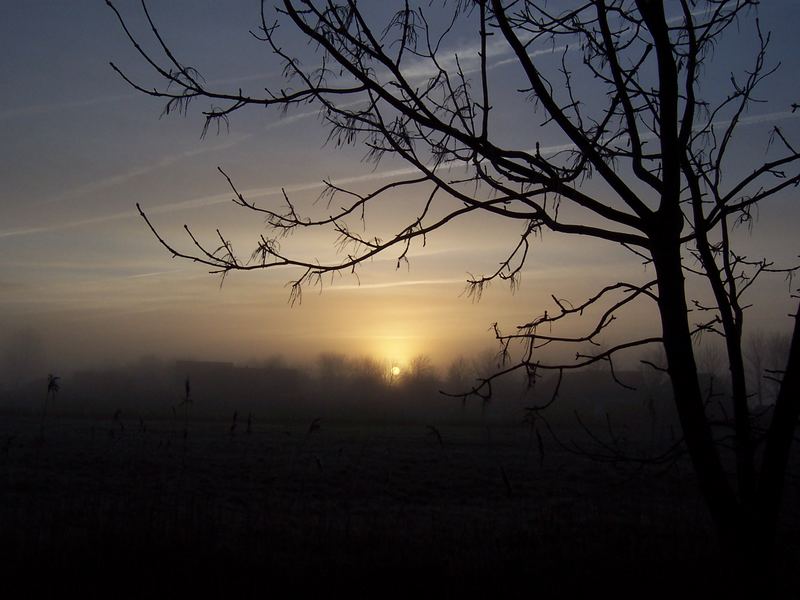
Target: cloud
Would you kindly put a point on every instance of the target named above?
(125, 176)
(265, 192)
(24, 231)
(40, 109)
(393, 284)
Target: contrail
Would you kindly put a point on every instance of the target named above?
(120, 178)
(378, 286)
(40, 109)
(265, 192)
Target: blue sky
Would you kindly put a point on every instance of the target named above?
(79, 269)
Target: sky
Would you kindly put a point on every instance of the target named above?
(84, 282)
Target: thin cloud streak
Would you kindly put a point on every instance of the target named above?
(495, 48)
(40, 109)
(266, 192)
(126, 176)
(392, 284)
(154, 274)
(22, 231)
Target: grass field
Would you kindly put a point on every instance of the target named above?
(118, 508)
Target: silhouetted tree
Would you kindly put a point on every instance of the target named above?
(458, 375)
(419, 379)
(420, 369)
(53, 387)
(655, 141)
(332, 368)
(766, 355)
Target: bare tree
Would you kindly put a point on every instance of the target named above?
(649, 137)
(756, 355)
(766, 355)
(458, 374)
(420, 368)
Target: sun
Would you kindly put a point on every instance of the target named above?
(395, 371)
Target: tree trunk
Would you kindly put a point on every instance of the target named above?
(688, 397)
(779, 440)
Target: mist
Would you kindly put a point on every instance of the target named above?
(418, 299)
(339, 388)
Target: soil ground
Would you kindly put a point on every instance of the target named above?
(112, 508)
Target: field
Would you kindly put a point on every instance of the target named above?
(113, 508)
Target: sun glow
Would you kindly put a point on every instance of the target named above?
(395, 347)
(395, 371)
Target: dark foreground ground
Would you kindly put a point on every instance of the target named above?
(126, 509)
